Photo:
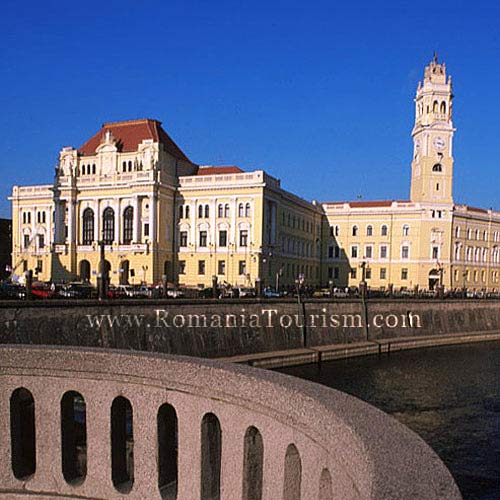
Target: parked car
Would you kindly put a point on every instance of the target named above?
(77, 291)
(269, 293)
(41, 290)
(207, 293)
(246, 292)
(174, 293)
(140, 291)
(12, 291)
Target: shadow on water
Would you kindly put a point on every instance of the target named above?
(450, 396)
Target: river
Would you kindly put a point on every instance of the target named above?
(450, 396)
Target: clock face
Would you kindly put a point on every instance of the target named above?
(439, 143)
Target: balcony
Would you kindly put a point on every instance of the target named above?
(103, 424)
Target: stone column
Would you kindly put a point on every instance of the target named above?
(233, 436)
(153, 204)
(118, 217)
(137, 219)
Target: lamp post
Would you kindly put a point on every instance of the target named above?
(299, 283)
(362, 284)
(440, 287)
(103, 276)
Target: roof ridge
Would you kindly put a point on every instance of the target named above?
(131, 122)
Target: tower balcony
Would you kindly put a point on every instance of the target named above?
(103, 424)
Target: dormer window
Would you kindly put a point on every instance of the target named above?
(437, 167)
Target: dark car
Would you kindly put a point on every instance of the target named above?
(77, 291)
(12, 291)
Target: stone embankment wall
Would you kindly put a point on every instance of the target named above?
(208, 328)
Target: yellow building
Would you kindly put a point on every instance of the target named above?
(426, 239)
(159, 214)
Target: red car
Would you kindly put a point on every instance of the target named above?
(42, 291)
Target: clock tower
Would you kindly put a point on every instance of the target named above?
(432, 165)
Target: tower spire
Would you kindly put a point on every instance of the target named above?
(435, 57)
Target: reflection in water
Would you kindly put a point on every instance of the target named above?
(448, 395)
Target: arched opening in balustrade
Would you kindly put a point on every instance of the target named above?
(74, 437)
(211, 448)
(253, 460)
(325, 486)
(293, 474)
(167, 451)
(22, 433)
(122, 444)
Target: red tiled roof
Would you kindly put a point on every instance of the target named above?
(129, 134)
(475, 209)
(367, 204)
(209, 170)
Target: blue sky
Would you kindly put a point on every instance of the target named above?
(319, 94)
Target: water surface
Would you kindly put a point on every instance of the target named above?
(450, 396)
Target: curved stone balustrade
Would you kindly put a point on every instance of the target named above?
(201, 430)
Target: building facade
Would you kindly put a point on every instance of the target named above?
(162, 216)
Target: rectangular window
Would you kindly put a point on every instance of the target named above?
(203, 238)
(336, 273)
(201, 267)
(330, 273)
(354, 252)
(368, 273)
(182, 267)
(39, 266)
(183, 239)
(243, 238)
(435, 253)
(383, 252)
(383, 273)
(41, 241)
(353, 273)
(337, 252)
(405, 252)
(221, 267)
(25, 266)
(242, 267)
(369, 252)
(223, 238)
(330, 252)
(26, 242)
(404, 273)
(146, 229)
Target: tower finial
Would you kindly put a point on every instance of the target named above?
(435, 57)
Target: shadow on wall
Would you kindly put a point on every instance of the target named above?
(59, 272)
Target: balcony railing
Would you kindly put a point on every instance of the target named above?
(112, 425)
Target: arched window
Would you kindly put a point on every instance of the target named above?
(122, 444)
(253, 462)
(435, 107)
(240, 210)
(22, 433)
(85, 270)
(293, 474)
(186, 212)
(130, 166)
(93, 168)
(247, 210)
(383, 230)
(226, 210)
(325, 486)
(167, 451)
(437, 167)
(73, 437)
(88, 169)
(108, 226)
(128, 225)
(181, 212)
(369, 230)
(211, 447)
(124, 166)
(354, 230)
(220, 210)
(88, 227)
(200, 211)
(207, 211)
(443, 107)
